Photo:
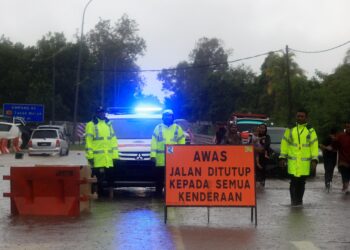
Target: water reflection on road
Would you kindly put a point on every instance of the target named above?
(134, 219)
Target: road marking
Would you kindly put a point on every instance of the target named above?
(304, 245)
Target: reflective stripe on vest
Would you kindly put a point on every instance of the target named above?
(290, 140)
(160, 134)
(160, 137)
(295, 158)
(291, 136)
(174, 139)
(97, 138)
(89, 135)
(97, 152)
(313, 141)
(111, 134)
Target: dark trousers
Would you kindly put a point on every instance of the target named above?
(159, 174)
(104, 178)
(261, 174)
(297, 189)
(345, 173)
(329, 165)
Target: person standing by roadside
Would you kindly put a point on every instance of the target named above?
(232, 136)
(342, 144)
(264, 153)
(329, 158)
(220, 135)
(165, 133)
(299, 146)
(101, 148)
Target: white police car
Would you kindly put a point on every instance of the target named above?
(134, 129)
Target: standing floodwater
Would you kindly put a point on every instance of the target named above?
(134, 219)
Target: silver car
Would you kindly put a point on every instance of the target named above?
(47, 142)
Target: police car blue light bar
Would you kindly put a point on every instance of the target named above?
(143, 109)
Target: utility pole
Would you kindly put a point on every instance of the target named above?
(103, 79)
(53, 94)
(76, 98)
(115, 84)
(53, 104)
(289, 88)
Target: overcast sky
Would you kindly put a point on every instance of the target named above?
(172, 27)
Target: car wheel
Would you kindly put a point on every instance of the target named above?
(61, 152)
(67, 152)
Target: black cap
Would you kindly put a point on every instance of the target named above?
(100, 109)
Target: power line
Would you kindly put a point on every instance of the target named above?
(320, 51)
(164, 69)
(180, 68)
(209, 65)
(206, 65)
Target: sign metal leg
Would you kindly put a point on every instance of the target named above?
(208, 214)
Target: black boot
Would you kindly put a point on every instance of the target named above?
(292, 192)
(300, 189)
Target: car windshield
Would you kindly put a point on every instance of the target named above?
(45, 126)
(40, 134)
(135, 128)
(276, 135)
(6, 119)
(248, 125)
(5, 127)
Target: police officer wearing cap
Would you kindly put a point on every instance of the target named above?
(101, 150)
(165, 133)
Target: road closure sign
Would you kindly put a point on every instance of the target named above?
(210, 175)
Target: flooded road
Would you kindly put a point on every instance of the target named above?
(134, 219)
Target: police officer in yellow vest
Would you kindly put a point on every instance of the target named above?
(165, 133)
(300, 146)
(101, 147)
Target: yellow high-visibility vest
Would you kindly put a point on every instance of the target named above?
(299, 145)
(163, 135)
(101, 144)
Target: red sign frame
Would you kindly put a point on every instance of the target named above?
(210, 176)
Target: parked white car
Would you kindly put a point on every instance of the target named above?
(61, 128)
(10, 127)
(47, 142)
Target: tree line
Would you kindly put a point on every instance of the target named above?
(204, 87)
(207, 88)
(109, 72)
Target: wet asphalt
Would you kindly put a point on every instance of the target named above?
(134, 219)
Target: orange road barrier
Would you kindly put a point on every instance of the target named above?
(49, 190)
(3, 146)
(15, 145)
